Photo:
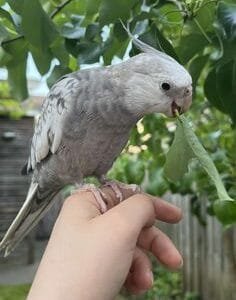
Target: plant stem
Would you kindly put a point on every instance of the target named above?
(59, 8)
(202, 31)
(52, 16)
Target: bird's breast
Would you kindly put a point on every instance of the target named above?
(98, 149)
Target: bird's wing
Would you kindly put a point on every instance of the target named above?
(49, 126)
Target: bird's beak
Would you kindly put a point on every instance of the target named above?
(180, 106)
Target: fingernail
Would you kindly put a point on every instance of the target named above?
(150, 276)
(181, 264)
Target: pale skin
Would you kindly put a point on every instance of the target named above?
(92, 255)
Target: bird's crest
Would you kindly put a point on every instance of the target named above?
(143, 46)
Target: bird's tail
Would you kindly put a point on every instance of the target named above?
(34, 208)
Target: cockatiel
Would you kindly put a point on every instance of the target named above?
(85, 123)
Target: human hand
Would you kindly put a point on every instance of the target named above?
(91, 256)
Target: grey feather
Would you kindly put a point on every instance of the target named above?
(85, 123)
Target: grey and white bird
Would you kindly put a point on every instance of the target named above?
(85, 123)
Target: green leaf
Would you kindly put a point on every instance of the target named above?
(41, 59)
(226, 14)
(16, 67)
(204, 159)
(226, 87)
(3, 33)
(196, 67)
(6, 14)
(57, 73)
(190, 45)
(73, 30)
(156, 39)
(204, 20)
(59, 50)
(111, 11)
(92, 7)
(38, 28)
(225, 211)
(4, 57)
(114, 47)
(211, 92)
(119, 31)
(178, 157)
(194, 149)
(220, 88)
(89, 52)
(92, 31)
(16, 5)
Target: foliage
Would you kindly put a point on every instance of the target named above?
(200, 34)
(9, 107)
(186, 146)
(167, 285)
(16, 292)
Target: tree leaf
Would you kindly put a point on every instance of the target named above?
(4, 57)
(196, 67)
(220, 88)
(186, 146)
(37, 26)
(41, 59)
(92, 7)
(211, 92)
(190, 45)
(6, 14)
(3, 33)
(57, 73)
(187, 143)
(17, 6)
(92, 31)
(73, 30)
(226, 87)
(226, 14)
(204, 18)
(111, 11)
(59, 50)
(204, 159)
(156, 39)
(225, 211)
(114, 47)
(178, 157)
(89, 52)
(16, 67)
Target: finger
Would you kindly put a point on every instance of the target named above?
(154, 240)
(131, 215)
(166, 211)
(85, 203)
(141, 210)
(140, 277)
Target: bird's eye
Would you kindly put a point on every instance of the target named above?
(165, 86)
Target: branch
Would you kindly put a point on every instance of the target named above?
(19, 37)
(59, 8)
(52, 16)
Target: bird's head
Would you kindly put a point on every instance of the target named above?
(155, 82)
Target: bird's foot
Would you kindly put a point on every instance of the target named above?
(99, 196)
(117, 188)
(120, 190)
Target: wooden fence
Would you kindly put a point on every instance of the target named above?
(15, 138)
(209, 253)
